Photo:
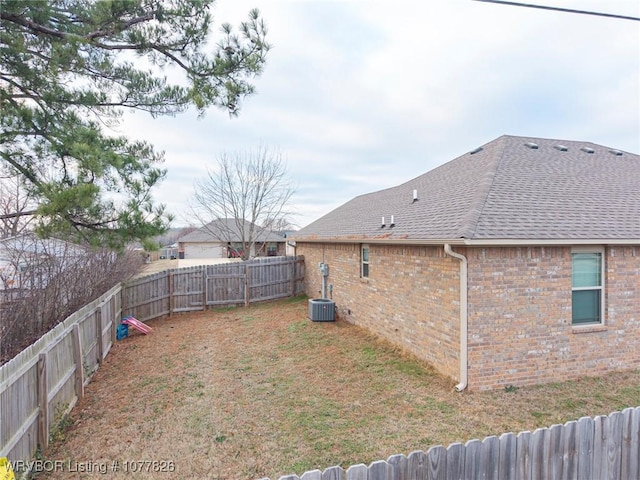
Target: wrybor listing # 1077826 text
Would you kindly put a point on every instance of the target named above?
(8, 470)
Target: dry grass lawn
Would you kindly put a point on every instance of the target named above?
(248, 393)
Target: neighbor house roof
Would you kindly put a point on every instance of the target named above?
(228, 230)
(512, 188)
(31, 244)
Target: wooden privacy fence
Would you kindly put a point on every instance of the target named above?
(196, 288)
(600, 448)
(44, 381)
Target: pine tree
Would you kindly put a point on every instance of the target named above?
(70, 68)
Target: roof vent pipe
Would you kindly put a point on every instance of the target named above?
(382, 225)
(415, 194)
(392, 222)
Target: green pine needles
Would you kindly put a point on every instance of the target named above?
(70, 68)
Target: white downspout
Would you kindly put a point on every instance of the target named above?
(463, 316)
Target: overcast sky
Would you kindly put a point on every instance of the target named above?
(363, 95)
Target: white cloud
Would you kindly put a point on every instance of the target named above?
(363, 95)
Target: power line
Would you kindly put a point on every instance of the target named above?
(559, 9)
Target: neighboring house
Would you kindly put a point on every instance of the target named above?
(223, 238)
(26, 261)
(514, 264)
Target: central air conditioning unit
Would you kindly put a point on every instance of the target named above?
(322, 310)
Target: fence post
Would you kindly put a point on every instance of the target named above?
(293, 276)
(100, 330)
(43, 402)
(204, 287)
(123, 299)
(171, 292)
(77, 354)
(112, 321)
(247, 293)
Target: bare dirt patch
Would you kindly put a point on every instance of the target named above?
(248, 393)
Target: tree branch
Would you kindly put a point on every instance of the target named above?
(25, 213)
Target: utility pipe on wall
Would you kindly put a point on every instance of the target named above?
(463, 316)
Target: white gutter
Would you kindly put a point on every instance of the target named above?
(500, 242)
(463, 316)
(496, 242)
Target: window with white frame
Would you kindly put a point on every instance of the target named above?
(364, 257)
(587, 302)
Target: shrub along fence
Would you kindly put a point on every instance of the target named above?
(604, 447)
(43, 382)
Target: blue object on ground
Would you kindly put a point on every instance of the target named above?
(122, 331)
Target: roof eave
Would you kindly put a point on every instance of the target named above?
(483, 242)
(385, 241)
(490, 242)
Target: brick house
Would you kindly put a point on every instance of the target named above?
(514, 264)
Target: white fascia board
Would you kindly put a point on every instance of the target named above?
(542, 242)
(384, 241)
(488, 242)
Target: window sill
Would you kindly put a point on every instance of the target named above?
(588, 328)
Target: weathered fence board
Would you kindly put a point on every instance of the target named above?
(607, 446)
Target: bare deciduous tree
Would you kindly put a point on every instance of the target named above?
(16, 207)
(246, 195)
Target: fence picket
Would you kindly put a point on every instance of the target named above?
(627, 455)
(585, 448)
(399, 467)
(437, 463)
(455, 461)
(312, 475)
(472, 459)
(507, 456)
(523, 456)
(539, 462)
(555, 452)
(417, 465)
(634, 447)
(570, 452)
(357, 472)
(490, 458)
(613, 448)
(333, 473)
(380, 470)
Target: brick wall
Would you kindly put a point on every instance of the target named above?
(520, 330)
(411, 296)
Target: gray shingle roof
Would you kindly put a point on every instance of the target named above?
(227, 230)
(507, 190)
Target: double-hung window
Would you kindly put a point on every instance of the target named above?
(587, 301)
(364, 261)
